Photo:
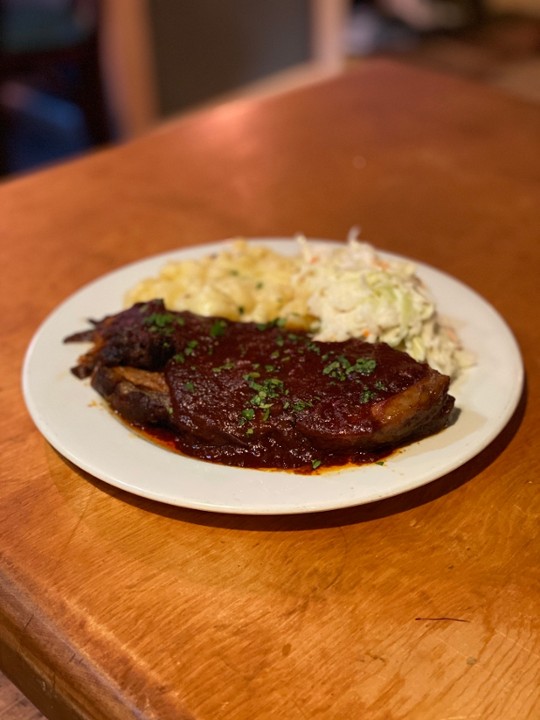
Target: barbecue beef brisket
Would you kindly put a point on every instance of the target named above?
(260, 395)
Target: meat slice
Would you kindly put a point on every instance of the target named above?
(139, 396)
(259, 395)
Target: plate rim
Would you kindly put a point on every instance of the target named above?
(50, 433)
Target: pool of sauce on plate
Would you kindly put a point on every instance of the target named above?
(171, 441)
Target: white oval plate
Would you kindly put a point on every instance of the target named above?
(76, 423)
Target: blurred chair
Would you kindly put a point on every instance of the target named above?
(126, 64)
(49, 50)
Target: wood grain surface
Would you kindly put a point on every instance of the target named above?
(424, 606)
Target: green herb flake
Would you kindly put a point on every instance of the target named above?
(341, 367)
(248, 413)
(228, 365)
(332, 368)
(315, 464)
(190, 347)
(366, 396)
(163, 322)
(301, 405)
(365, 366)
(218, 328)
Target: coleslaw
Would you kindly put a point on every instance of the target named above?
(354, 293)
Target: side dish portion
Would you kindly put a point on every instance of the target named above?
(260, 394)
(335, 291)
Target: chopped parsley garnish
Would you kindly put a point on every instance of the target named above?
(228, 365)
(341, 367)
(334, 369)
(218, 328)
(190, 347)
(364, 366)
(301, 405)
(367, 395)
(180, 357)
(278, 322)
(266, 391)
(163, 322)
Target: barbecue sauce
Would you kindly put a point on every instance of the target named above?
(169, 440)
(259, 395)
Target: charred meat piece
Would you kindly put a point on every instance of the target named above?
(136, 337)
(139, 396)
(259, 395)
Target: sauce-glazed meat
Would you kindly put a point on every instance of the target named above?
(259, 395)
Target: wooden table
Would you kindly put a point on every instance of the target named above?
(421, 606)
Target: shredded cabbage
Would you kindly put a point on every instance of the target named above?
(354, 293)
